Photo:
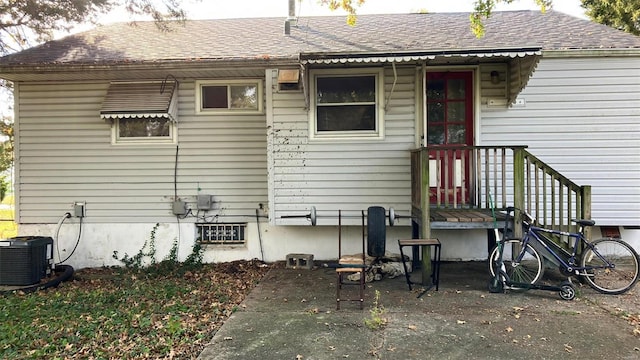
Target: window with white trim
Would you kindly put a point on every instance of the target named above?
(346, 104)
(229, 96)
(143, 130)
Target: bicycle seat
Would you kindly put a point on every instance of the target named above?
(584, 222)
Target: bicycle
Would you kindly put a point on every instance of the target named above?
(608, 265)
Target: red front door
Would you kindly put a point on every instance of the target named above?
(449, 124)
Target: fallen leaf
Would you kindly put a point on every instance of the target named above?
(517, 316)
(509, 329)
(227, 338)
(460, 322)
(412, 327)
(299, 357)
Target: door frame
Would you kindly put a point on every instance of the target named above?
(422, 122)
(475, 106)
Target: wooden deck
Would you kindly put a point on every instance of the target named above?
(457, 185)
(464, 219)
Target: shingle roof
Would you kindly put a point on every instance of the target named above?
(264, 38)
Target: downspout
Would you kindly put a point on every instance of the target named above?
(424, 101)
(395, 79)
(303, 83)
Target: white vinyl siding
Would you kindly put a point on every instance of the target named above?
(341, 174)
(65, 155)
(582, 117)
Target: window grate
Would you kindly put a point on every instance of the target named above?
(221, 233)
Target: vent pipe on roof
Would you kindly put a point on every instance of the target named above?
(290, 18)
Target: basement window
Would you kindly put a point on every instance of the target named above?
(229, 97)
(221, 233)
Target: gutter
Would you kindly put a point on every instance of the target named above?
(583, 53)
(13, 72)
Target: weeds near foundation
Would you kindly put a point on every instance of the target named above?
(170, 264)
(148, 250)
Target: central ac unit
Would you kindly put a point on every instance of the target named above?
(25, 260)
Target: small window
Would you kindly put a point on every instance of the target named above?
(221, 233)
(144, 130)
(347, 104)
(229, 97)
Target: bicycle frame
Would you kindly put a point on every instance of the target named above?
(533, 234)
(501, 279)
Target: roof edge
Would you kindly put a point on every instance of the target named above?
(576, 53)
(15, 72)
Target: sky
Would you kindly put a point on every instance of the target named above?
(212, 9)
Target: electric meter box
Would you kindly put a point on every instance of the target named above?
(25, 260)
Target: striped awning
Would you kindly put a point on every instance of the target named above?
(522, 61)
(141, 100)
(418, 57)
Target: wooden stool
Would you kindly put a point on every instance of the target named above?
(435, 263)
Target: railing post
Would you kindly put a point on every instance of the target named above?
(425, 229)
(586, 209)
(518, 189)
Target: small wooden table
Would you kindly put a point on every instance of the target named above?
(435, 263)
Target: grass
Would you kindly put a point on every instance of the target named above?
(125, 313)
(8, 227)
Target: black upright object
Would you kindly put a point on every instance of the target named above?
(376, 231)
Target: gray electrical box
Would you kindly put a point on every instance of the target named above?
(79, 209)
(205, 202)
(179, 207)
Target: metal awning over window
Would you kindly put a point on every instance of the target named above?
(141, 100)
(521, 61)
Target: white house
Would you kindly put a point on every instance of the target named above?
(220, 130)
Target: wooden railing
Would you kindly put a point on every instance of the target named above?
(552, 199)
(484, 177)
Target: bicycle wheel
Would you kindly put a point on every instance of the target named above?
(610, 280)
(528, 271)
